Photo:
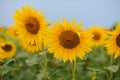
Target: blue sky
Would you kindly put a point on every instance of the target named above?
(90, 12)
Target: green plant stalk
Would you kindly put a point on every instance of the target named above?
(45, 64)
(111, 62)
(73, 70)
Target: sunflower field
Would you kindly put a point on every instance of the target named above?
(35, 49)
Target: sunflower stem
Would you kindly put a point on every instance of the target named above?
(111, 62)
(73, 70)
(45, 64)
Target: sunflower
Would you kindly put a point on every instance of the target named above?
(12, 32)
(30, 26)
(67, 41)
(7, 50)
(99, 35)
(113, 43)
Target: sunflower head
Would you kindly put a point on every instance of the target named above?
(31, 27)
(99, 35)
(30, 20)
(12, 32)
(67, 41)
(7, 50)
(113, 43)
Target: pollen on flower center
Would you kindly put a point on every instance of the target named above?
(7, 47)
(32, 25)
(69, 39)
(118, 40)
(96, 36)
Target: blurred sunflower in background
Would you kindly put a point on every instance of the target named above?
(67, 41)
(31, 27)
(99, 35)
(7, 49)
(12, 32)
(113, 43)
(1, 42)
(1, 29)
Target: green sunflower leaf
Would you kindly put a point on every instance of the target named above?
(113, 68)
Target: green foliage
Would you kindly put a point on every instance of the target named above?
(26, 66)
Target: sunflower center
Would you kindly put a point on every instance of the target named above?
(7, 47)
(32, 25)
(69, 39)
(96, 36)
(118, 40)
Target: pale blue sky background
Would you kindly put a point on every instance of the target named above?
(89, 12)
